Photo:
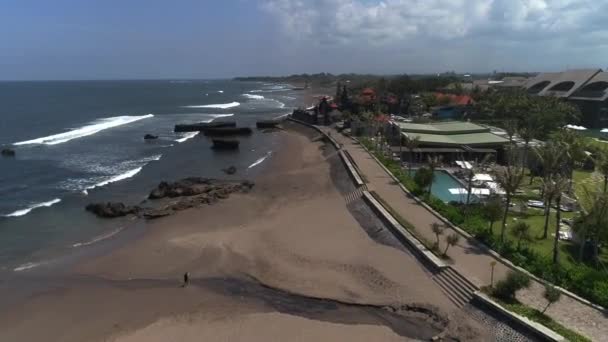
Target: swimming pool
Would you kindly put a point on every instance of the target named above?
(443, 183)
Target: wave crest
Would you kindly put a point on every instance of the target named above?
(90, 129)
(217, 105)
(253, 97)
(27, 210)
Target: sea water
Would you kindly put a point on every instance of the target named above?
(80, 142)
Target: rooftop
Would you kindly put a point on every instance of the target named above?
(595, 90)
(459, 139)
(442, 128)
(560, 84)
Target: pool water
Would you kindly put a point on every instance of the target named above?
(441, 188)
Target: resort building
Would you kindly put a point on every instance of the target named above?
(454, 140)
(587, 88)
(456, 106)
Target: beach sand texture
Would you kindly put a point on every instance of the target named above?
(287, 261)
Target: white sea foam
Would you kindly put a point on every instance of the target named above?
(90, 129)
(27, 266)
(260, 161)
(98, 238)
(217, 105)
(268, 90)
(220, 91)
(122, 176)
(282, 116)
(281, 104)
(26, 211)
(187, 136)
(254, 97)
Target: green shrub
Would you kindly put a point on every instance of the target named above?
(506, 289)
(424, 177)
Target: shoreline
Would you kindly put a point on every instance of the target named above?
(268, 236)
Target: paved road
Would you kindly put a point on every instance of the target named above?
(470, 260)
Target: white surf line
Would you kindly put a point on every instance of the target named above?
(27, 266)
(260, 161)
(90, 129)
(26, 211)
(254, 97)
(216, 106)
(98, 238)
(187, 136)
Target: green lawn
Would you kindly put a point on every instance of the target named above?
(536, 220)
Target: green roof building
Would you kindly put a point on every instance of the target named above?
(454, 140)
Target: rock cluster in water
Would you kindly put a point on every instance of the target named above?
(190, 192)
(7, 152)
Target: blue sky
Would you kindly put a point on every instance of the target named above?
(110, 39)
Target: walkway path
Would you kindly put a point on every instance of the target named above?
(469, 259)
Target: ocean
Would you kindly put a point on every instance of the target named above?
(78, 142)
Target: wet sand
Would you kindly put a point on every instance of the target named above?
(287, 261)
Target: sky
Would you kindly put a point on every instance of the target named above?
(160, 39)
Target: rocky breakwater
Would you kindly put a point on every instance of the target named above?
(181, 195)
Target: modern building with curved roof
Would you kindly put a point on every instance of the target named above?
(587, 88)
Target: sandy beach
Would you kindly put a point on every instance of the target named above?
(291, 260)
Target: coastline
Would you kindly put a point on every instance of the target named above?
(249, 257)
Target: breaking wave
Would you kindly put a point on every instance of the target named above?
(254, 97)
(260, 161)
(90, 129)
(187, 136)
(27, 266)
(217, 106)
(26, 211)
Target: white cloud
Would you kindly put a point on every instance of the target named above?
(393, 21)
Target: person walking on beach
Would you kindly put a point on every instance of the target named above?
(186, 279)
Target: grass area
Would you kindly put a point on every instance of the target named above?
(537, 316)
(595, 142)
(536, 219)
(543, 319)
(586, 181)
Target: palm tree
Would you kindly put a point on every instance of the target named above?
(510, 129)
(548, 196)
(552, 295)
(574, 149)
(450, 240)
(526, 133)
(522, 231)
(411, 144)
(509, 178)
(550, 156)
(558, 185)
(593, 224)
(433, 162)
(601, 165)
(438, 230)
(493, 212)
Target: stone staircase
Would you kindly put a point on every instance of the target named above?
(354, 195)
(458, 289)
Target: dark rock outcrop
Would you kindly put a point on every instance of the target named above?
(201, 126)
(230, 170)
(268, 123)
(222, 144)
(150, 137)
(111, 210)
(195, 186)
(191, 192)
(7, 152)
(227, 131)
